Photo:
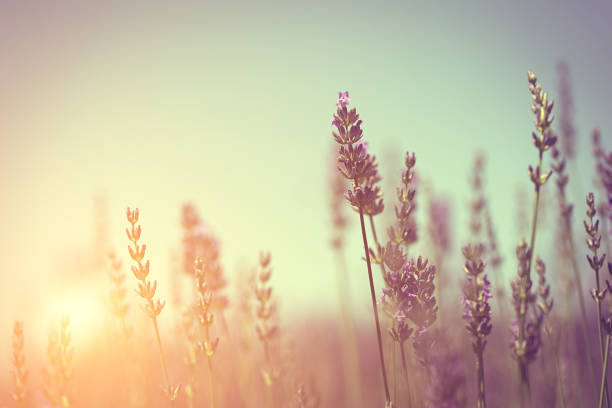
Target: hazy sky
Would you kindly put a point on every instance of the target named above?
(229, 105)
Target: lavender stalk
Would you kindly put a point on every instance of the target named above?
(543, 140)
(477, 312)
(593, 242)
(359, 167)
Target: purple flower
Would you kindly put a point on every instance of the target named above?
(476, 294)
(343, 99)
(364, 145)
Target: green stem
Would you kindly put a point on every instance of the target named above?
(394, 373)
(405, 370)
(523, 369)
(374, 305)
(481, 380)
(603, 377)
(585, 331)
(211, 384)
(601, 341)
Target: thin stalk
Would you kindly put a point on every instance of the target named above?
(585, 331)
(405, 370)
(161, 352)
(374, 306)
(523, 369)
(601, 341)
(211, 383)
(394, 369)
(481, 380)
(603, 377)
(271, 400)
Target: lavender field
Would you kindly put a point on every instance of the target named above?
(281, 205)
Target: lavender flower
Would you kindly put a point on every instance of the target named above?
(543, 140)
(343, 99)
(200, 243)
(477, 312)
(365, 197)
(525, 345)
(356, 164)
(476, 295)
(404, 231)
(596, 262)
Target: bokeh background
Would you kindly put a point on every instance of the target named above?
(228, 105)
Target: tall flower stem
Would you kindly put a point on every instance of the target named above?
(481, 380)
(161, 351)
(603, 377)
(523, 372)
(405, 370)
(603, 349)
(211, 383)
(593, 243)
(146, 290)
(394, 368)
(374, 305)
(585, 331)
(543, 140)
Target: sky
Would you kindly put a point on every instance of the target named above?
(228, 105)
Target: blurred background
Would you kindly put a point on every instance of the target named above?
(228, 105)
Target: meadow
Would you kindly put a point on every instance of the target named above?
(514, 343)
(277, 205)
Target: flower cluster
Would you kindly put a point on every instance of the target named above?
(408, 296)
(532, 308)
(542, 109)
(405, 231)
(200, 242)
(119, 306)
(545, 304)
(593, 242)
(203, 309)
(20, 374)
(266, 330)
(355, 163)
(544, 138)
(525, 345)
(409, 293)
(146, 288)
(476, 295)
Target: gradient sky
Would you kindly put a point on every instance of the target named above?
(229, 105)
